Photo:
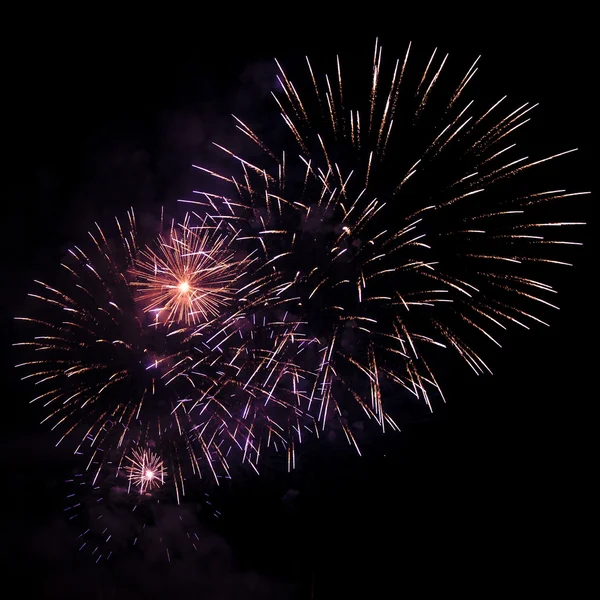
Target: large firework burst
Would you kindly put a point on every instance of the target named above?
(113, 369)
(400, 218)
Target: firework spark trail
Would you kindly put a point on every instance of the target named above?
(396, 241)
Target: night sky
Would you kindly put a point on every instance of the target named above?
(482, 496)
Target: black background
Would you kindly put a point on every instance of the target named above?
(486, 495)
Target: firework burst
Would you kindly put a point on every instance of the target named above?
(400, 219)
(188, 276)
(384, 221)
(96, 364)
(106, 374)
(146, 470)
(206, 391)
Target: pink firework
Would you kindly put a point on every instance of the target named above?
(188, 275)
(146, 471)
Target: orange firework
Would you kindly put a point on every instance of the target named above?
(189, 275)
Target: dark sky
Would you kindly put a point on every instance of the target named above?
(481, 496)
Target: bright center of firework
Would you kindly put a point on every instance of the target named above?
(149, 474)
(184, 287)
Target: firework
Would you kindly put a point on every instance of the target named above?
(189, 275)
(105, 373)
(400, 219)
(146, 470)
(113, 369)
(386, 222)
(261, 399)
